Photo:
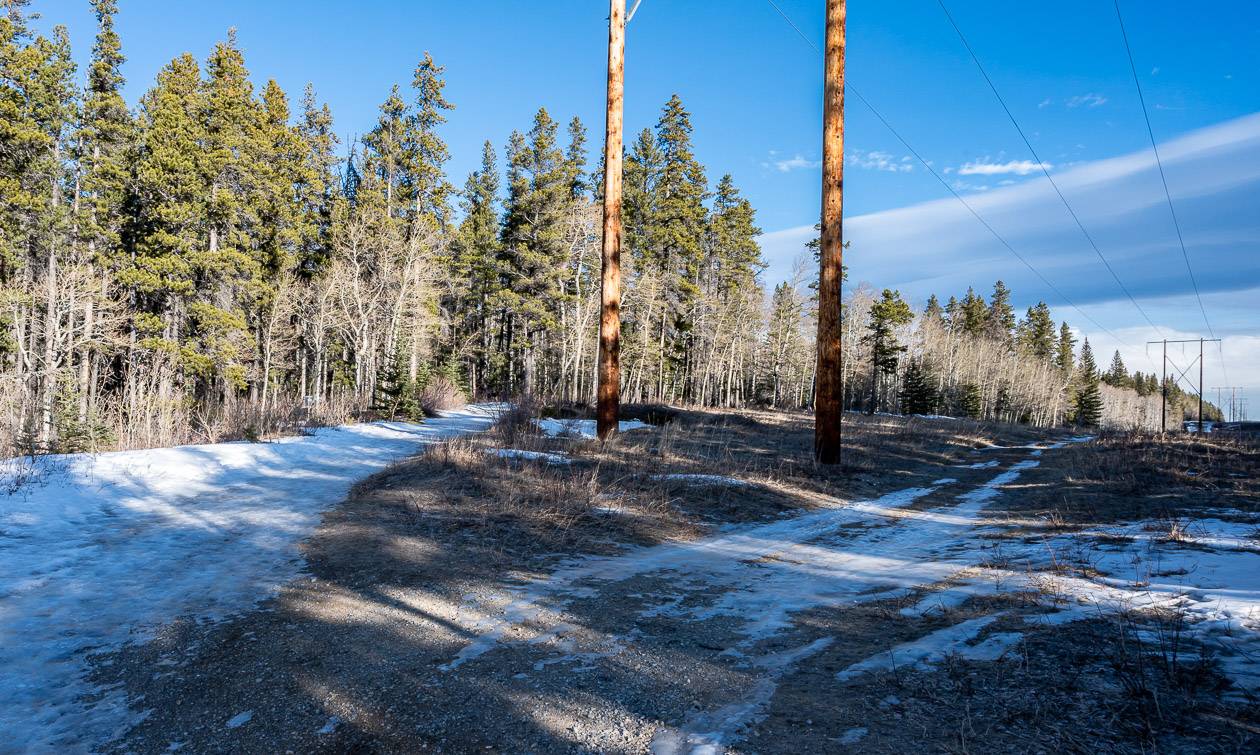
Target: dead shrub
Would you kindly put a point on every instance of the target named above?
(441, 395)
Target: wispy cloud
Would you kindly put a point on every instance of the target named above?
(1016, 167)
(797, 162)
(877, 160)
(1089, 99)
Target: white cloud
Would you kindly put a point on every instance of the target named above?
(877, 160)
(1047, 102)
(1088, 99)
(1214, 174)
(1018, 167)
(797, 162)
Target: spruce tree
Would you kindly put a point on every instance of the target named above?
(1064, 355)
(972, 401)
(423, 187)
(1000, 322)
(1088, 402)
(1118, 375)
(1036, 333)
(974, 313)
(918, 390)
(318, 190)
(887, 314)
(734, 252)
(934, 313)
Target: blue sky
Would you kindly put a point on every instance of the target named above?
(753, 87)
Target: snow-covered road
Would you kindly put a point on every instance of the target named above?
(104, 549)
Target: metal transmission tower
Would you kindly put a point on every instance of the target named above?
(1163, 384)
(1237, 406)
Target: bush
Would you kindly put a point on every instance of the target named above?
(441, 394)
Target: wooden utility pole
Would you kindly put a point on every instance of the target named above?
(828, 391)
(608, 397)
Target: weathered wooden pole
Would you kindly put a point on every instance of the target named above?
(828, 398)
(608, 394)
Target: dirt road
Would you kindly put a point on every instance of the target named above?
(911, 620)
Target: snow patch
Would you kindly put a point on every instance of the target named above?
(113, 546)
(517, 453)
(703, 479)
(582, 428)
(240, 719)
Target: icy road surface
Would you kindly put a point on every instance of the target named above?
(103, 549)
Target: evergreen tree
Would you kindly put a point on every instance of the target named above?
(954, 315)
(1088, 402)
(639, 196)
(1118, 375)
(105, 140)
(735, 255)
(974, 313)
(887, 314)
(317, 190)
(918, 390)
(474, 266)
(933, 312)
(1000, 322)
(972, 401)
(422, 178)
(1036, 332)
(575, 160)
(1064, 354)
(534, 248)
(169, 204)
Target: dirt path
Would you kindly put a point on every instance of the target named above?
(680, 647)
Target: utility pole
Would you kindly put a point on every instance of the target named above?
(829, 394)
(1163, 393)
(608, 396)
(1200, 428)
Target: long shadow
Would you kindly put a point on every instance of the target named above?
(351, 658)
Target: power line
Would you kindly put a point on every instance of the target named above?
(1044, 169)
(1150, 132)
(950, 188)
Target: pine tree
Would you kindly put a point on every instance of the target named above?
(1001, 317)
(734, 252)
(575, 160)
(534, 248)
(1088, 402)
(1036, 332)
(318, 191)
(972, 401)
(887, 314)
(1064, 354)
(423, 187)
(170, 202)
(1118, 375)
(474, 266)
(918, 390)
(933, 312)
(974, 313)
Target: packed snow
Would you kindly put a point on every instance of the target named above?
(107, 548)
(582, 428)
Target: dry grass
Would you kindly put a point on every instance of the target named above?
(620, 492)
(1137, 475)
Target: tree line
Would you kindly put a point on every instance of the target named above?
(215, 262)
